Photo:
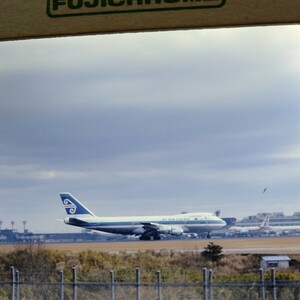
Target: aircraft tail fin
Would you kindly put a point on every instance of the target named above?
(265, 222)
(73, 207)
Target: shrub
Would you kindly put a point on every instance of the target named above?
(213, 252)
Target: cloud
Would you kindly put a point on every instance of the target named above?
(290, 153)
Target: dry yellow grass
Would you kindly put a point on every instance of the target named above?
(290, 245)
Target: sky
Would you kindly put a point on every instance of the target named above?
(150, 124)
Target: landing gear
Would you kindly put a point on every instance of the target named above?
(145, 238)
(148, 238)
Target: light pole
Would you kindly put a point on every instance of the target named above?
(24, 225)
(12, 225)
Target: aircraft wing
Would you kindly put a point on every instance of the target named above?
(150, 229)
(77, 222)
(151, 226)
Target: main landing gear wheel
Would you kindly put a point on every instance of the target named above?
(145, 238)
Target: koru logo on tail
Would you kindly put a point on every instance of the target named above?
(69, 206)
(72, 8)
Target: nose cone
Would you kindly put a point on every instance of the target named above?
(222, 223)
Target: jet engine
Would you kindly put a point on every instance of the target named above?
(173, 230)
(177, 231)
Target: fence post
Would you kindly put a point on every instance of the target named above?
(262, 284)
(210, 294)
(74, 282)
(273, 280)
(12, 280)
(61, 276)
(112, 284)
(138, 283)
(158, 275)
(204, 273)
(17, 285)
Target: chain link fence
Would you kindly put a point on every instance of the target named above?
(16, 289)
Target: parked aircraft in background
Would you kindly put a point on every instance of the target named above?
(286, 229)
(146, 227)
(263, 227)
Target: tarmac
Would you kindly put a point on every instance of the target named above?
(270, 245)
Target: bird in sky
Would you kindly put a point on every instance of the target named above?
(264, 190)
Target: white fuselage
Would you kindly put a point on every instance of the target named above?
(286, 228)
(173, 224)
(246, 229)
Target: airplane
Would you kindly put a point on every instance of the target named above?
(264, 227)
(285, 229)
(146, 227)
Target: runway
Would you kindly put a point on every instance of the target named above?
(276, 245)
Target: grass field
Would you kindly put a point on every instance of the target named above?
(278, 245)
